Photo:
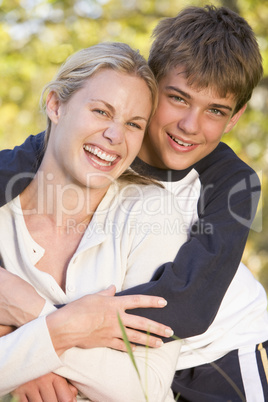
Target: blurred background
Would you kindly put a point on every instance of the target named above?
(36, 36)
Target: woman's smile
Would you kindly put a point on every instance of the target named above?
(97, 155)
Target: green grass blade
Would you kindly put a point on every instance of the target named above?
(127, 343)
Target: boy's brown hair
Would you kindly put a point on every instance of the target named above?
(216, 48)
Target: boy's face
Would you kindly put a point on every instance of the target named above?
(188, 123)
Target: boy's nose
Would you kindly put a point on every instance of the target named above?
(189, 123)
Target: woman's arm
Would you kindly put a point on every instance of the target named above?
(88, 322)
(108, 375)
(76, 316)
(19, 301)
(20, 304)
(25, 354)
(33, 349)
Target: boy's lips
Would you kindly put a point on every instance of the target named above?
(180, 141)
(181, 145)
(100, 156)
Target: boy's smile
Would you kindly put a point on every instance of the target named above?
(188, 124)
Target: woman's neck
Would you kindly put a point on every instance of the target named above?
(64, 204)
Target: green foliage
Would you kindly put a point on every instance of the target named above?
(36, 37)
(130, 353)
(8, 398)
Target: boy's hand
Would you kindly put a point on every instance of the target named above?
(19, 301)
(6, 329)
(48, 388)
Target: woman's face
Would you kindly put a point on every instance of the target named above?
(96, 135)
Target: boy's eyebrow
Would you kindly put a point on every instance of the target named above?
(188, 96)
(219, 106)
(170, 87)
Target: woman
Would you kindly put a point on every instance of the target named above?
(76, 229)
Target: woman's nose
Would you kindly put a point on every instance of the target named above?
(115, 133)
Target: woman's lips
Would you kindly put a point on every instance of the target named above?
(101, 157)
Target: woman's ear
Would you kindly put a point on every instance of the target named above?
(53, 107)
(234, 119)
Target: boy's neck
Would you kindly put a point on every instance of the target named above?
(147, 156)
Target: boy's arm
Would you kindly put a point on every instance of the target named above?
(197, 280)
(18, 167)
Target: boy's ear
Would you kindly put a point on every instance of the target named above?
(53, 107)
(235, 119)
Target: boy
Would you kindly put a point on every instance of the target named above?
(207, 63)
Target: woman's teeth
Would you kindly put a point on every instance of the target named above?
(101, 155)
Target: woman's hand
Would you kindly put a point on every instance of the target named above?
(92, 321)
(89, 322)
(19, 301)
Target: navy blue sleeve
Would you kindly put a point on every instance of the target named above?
(194, 284)
(18, 167)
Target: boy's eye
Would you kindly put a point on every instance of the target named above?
(177, 98)
(217, 112)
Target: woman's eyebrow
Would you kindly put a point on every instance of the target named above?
(112, 109)
(108, 105)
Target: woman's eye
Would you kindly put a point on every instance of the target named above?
(99, 111)
(134, 125)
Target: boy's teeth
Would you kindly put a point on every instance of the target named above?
(100, 154)
(185, 144)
